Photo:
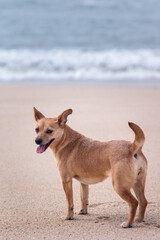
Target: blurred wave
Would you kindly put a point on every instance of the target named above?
(75, 64)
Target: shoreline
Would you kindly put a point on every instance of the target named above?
(95, 83)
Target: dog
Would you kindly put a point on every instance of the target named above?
(90, 162)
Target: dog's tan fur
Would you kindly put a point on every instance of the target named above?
(91, 162)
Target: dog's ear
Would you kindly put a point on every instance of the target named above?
(62, 119)
(37, 115)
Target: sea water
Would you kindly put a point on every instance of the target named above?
(80, 41)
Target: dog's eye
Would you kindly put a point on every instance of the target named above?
(49, 131)
(37, 130)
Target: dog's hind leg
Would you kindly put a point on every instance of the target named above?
(126, 195)
(84, 192)
(139, 192)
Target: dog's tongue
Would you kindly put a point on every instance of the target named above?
(41, 148)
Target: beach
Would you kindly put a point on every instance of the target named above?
(102, 59)
(32, 201)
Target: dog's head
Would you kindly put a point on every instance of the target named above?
(49, 130)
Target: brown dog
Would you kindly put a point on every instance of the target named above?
(91, 162)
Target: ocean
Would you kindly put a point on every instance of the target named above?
(80, 41)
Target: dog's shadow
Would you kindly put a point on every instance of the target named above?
(97, 204)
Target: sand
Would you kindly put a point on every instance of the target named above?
(32, 200)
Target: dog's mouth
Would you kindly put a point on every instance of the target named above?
(43, 147)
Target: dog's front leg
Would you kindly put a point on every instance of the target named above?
(84, 191)
(67, 186)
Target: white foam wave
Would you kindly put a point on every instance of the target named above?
(79, 65)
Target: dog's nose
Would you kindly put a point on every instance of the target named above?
(38, 141)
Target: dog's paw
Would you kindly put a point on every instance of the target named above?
(140, 220)
(124, 225)
(67, 218)
(82, 212)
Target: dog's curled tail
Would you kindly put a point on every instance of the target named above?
(139, 138)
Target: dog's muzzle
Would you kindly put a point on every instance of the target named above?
(38, 141)
(42, 147)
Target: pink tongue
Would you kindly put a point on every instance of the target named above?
(41, 148)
